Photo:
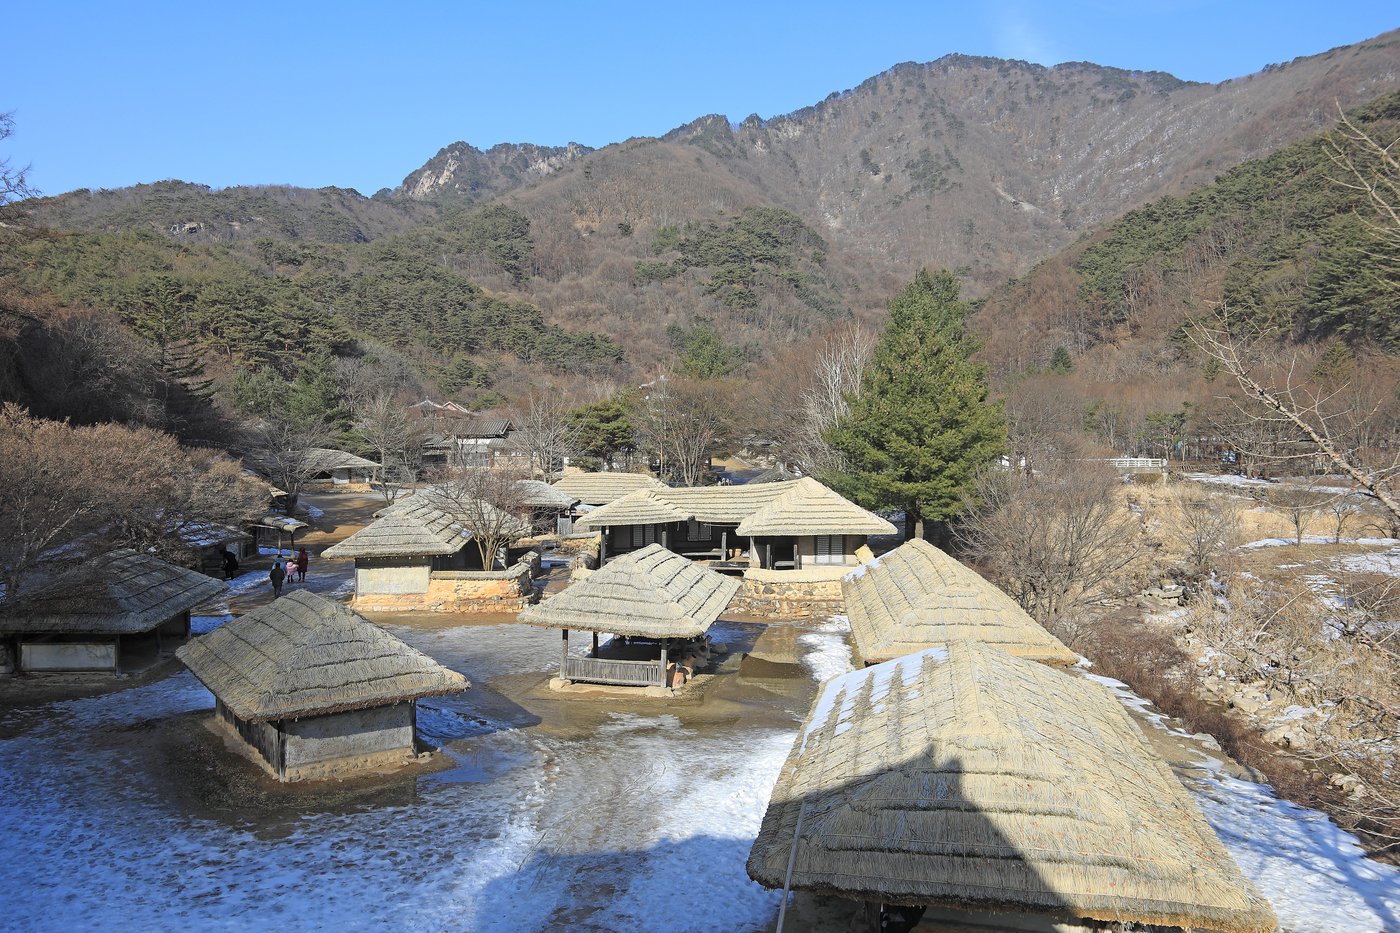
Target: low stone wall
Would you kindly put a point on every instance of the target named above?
(507, 590)
(579, 543)
(791, 594)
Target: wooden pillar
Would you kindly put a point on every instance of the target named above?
(665, 535)
(724, 544)
(663, 663)
(767, 555)
(563, 652)
(603, 546)
(595, 644)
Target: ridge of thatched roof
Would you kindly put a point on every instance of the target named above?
(410, 528)
(540, 495)
(916, 597)
(327, 458)
(643, 507)
(724, 505)
(806, 507)
(122, 592)
(602, 488)
(651, 592)
(966, 778)
(304, 655)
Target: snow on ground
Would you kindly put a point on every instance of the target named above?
(1225, 479)
(522, 833)
(828, 649)
(1384, 562)
(1313, 872)
(1321, 539)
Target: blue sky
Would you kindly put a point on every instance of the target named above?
(356, 94)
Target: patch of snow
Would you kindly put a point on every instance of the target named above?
(1225, 479)
(828, 654)
(310, 511)
(849, 684)
(1131, 700)
(860, 571)
(1313, 872)
(1383, 563)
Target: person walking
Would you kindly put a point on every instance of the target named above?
(303, 561)
(291, 570)
(277, 575)
(230, 565)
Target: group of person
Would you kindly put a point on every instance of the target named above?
(294, 568)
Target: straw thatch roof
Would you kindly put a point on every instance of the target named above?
(651, 592)
(410, 528)
(916, 597)
(324, 459)
(122, 592)
(643, 507)
(304, 655)
(806, 507)
(966, 778)
(602, 488)
(540, 495)
(797, 507)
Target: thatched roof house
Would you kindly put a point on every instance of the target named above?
(94, 617)
(790, 525)
(413, 527)
(602, 488)
(338, 466)
(916, 597)
(536, 494)
(652, 595)
(315, 688)
(964, 778)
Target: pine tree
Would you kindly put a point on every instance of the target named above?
(921, 425)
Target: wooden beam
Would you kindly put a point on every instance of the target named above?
(663, 663)
(563, 652)
(595, 644)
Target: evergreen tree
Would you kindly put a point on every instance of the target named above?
(1060, 362)
(605, 429)
(703, 354)
(315, 397)
(921, 425)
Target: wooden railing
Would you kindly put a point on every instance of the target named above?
(1129, 464)
(605, 671)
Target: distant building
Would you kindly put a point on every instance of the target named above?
(114, 614)
(311, 689)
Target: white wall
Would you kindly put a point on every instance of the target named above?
(68, 656)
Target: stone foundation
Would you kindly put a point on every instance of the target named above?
(461, 591)
(763, 596)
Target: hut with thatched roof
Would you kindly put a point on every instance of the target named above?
(311, 689)
(339, 467)
(916, 597)
(415, 557)
(657, 604)
(792, 541)
(113, 614)
(963, 779)
(594, 489)
(546, 508)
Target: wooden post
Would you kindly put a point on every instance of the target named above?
(665, 535)
(663, 664)
(768, 555)
(724, 544)
(563, 653)
(603, 546)
(595, 644)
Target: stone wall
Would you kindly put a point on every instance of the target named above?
(788, 595)
(507, 590)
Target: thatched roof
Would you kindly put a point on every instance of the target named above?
(916, 597)
(321, 459)
(966, 778)
(122, 592)
(798, 507)
(602, 488)
(304, 655)
(643, 507)
(806, 507)
(410, 528)
(539, 495)
(651, 592)
(280, 522)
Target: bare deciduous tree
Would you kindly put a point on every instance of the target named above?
(1207, 527)
(1052, 539)
(282, 449)
(397, 437)
(835, 377)
(487, 503)
(14, 183)
(1309, 411)
(681, 421)
(545, 431)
